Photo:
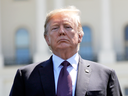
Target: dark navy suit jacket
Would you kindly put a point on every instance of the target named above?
(93, 79)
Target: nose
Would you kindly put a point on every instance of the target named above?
(61, 31)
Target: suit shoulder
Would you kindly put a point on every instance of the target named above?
(32, 66)
(99, 67)
(30, 69)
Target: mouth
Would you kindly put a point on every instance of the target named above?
(62, 40)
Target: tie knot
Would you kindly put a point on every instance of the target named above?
(65, 63)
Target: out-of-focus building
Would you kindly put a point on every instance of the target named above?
(105, 26)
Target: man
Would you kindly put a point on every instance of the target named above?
(63, 33)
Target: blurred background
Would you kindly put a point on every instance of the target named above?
(105, 26)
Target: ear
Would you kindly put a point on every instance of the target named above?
(47, 39)
(80, 36)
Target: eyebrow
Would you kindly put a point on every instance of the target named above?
(54, 24)
(67, 23)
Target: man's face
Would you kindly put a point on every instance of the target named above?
(62, 32)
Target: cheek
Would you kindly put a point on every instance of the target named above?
(52, 39)
(77, 38)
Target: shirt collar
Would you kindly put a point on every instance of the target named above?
(72, 60)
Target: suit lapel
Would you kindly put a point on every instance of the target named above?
(47, 78)
(83, 77)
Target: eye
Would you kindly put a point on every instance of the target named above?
(54, 28)
(68, 27)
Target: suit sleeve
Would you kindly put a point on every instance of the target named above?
(18, 85)
(113, 85)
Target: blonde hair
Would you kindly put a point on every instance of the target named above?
(76, 17)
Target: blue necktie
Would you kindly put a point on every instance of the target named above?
(64, 86)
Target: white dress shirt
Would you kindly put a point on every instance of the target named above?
(72, 69)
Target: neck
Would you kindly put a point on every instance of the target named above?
(65, 54)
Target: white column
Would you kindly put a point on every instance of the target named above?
(1, 57)
(1, 86)
(58, 4)
(41, 46)
(107, 54)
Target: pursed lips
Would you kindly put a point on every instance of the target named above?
(62, 40)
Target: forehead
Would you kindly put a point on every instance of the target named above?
(62, 16)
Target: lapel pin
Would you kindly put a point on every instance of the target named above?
(86, 70)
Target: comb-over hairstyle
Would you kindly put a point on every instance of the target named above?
(75, 15)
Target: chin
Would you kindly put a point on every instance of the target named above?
(64, 47)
